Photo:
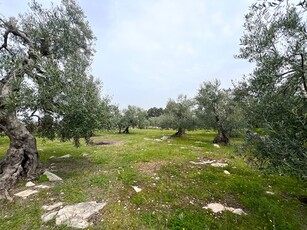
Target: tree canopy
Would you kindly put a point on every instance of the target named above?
(217, 109)
(179, 115)
(276, 92)
(44, 77)
(133, 116)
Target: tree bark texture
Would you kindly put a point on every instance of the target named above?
(221, 137)
(179, 133)
(21, 159)
(126, 131)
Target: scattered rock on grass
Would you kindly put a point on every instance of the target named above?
(203, 162)
(226, 172)
(65, 156)
(76, 215)
(42, 186)
(219, 164)
(52, 177)
(24, 194)
(213, 163)
(216, 145)
(53, 206)
(269, 192)
(217, 208)
(165, 138)
(48, 216)
(136, 188)
(30, 184)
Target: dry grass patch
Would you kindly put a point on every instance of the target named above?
(107, 143)
(150, 168)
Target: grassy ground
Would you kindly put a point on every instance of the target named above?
(174, 191)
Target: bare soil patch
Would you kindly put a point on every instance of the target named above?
(105, 143)
(150, 168)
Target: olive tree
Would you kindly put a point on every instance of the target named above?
(44, 60)
(133, 116)
(179, 115)
(275, 39)
(217, 109)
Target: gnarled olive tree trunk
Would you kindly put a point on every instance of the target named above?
(21, 159)
(222, 137)
(126, 131)
(179, 133)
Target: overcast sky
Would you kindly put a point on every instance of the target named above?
(151, 50)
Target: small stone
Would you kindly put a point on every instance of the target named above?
(202, 162)
(226, 172)
(216, 145)
(136, 189)
(42, 186)
(48, 216)
(65, 156)
(215, 207)
(30, 184)
(52, 177)
(164, 138)
(157, 140)
(269, 192)
(53, 206)
(238, 211)
(24, 194)
(218, 164)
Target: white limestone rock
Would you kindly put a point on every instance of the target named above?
(53, 206)
(136, 188)
(269, 192)
(30, 184)
(202, 162)
(219, 164)
(24, 194)
(76, 215)
(42, 186)
(52, 177)
(65, 156)
(48, 216)
(217, 208)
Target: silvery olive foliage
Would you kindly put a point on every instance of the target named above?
(50, 52)
(217, 109)
(179, 114)
(275, 94)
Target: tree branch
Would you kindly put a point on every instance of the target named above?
(303, 72)
(11, 27)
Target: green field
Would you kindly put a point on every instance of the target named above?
(174, 191)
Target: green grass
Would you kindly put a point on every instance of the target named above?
(174, 191)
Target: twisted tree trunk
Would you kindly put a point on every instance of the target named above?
(222, 137)
(179, 133)
(21, 160)
(126, 131)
